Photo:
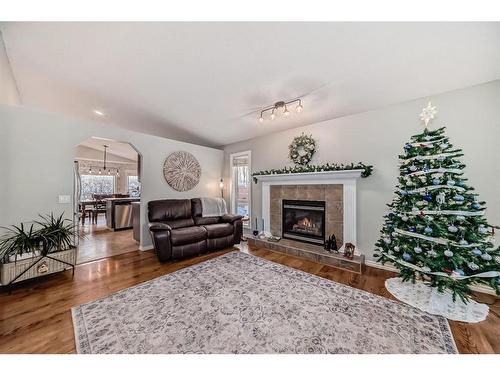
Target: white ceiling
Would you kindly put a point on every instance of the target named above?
(123, 150)
(202, 82)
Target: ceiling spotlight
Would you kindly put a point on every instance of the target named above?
(98, 113)
(286, 112)
(281, 105)
(299, 107)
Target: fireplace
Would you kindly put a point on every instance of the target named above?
(303, 220)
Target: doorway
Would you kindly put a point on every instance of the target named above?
(107, 198)
(241, 190)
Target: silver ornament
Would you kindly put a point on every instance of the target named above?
(486, 256)
(473, 266)
(441, 198)
(448, 253)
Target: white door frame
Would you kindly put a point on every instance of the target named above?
(232, 195)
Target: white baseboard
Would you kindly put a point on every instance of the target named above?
(144, 248)
(477, 288)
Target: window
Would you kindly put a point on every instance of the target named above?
(134, 186)
(241, 184)
(96, 184)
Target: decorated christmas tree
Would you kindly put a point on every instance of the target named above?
(435, 228)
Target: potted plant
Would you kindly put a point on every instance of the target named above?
(45, 247)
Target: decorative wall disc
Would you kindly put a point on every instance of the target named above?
(181, 171)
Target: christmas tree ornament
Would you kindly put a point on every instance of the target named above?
(452, 229)
(428, 197)
(436, 181)
(459, 272)
(459, 198)
(482, 229)
(428, 230)
(473, 266)
(476, 206)
(423, 178)
(426, 269)
(387, 240)
(412, 229)
(413, 168)
(407, 257)
(486, 257)
(417, 249)
(396, 248)
(448, 253)
(450, 182)
(476, 251)
(460, 218)
(404, 218)
(463, 242)
(441, 198)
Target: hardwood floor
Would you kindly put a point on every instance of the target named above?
(99, 242)
(36, 318)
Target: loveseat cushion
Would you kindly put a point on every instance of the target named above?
(219, 230)
(182, 236)
(197, 212)
(169, 210)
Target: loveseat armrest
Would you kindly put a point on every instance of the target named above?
(155, 227)
(228, 218)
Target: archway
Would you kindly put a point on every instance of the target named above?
(107, 186)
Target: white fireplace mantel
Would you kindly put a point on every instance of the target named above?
(346, 178)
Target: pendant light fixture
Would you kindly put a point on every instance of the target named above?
(104, 159)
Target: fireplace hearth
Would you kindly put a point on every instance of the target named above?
(303, 220)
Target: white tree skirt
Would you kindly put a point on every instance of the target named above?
(428, 299)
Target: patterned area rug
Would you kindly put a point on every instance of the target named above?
(240, 303)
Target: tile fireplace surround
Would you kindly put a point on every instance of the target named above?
(330, 194)
(336, 188)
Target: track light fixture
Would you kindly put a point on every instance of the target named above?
(282, 107)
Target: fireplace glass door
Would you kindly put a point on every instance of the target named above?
(304, 220)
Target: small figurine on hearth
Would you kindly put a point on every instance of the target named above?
(331, 244)
(349, 250)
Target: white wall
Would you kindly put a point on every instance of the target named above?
(36, 164)
(472, 117)
(9, 93)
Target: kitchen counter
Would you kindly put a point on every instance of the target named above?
(119, 212)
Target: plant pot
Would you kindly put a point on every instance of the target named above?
(47, 266)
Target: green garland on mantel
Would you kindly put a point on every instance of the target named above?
(367, 169)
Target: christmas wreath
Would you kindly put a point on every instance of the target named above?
(302, 149)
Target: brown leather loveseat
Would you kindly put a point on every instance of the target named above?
(179, 230)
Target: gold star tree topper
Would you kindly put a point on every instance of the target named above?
(428, 113)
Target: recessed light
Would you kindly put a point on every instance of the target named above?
(98, 113)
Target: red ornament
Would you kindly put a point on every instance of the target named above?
(447, 270)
